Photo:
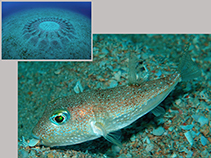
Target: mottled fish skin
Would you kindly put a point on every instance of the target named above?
(115, 108)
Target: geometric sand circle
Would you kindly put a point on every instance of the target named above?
(46, 34)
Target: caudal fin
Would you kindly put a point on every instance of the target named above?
(187, 68)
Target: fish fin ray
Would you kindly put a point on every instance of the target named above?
(187, 68)
(157, 111)
(132, 69)
(112, 137)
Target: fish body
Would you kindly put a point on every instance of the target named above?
(89, 115)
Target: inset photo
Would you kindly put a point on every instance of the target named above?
(46, 30)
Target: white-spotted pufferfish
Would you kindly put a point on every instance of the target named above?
(91, 114)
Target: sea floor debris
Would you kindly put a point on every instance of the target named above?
(184, 129)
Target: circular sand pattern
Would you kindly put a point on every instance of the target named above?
(46, 34)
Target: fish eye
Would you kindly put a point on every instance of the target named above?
(59, 117)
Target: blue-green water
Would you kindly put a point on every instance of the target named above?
(187, 108)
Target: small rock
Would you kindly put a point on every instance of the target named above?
(205, 153)
(117, 76)
(113, 83)
(75, 156)
(23, 154)
(189, 153)
(187, 127)
(159, 73)
(104, 50)
(149, 147)
(178, 101)
(204, 140)
(116, 148)
(102, 64)
(78, 88)
(195, 117)
(189, 137)
(203, 120)
(57, 71)
(33, 142)
(147, 140)
(110, 67)
(188, 87)
(159, 131)
(133, 138)
(194, 134)
(171, 129)
(129, 155)
(174, 155)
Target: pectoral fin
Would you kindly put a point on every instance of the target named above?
(158, 111)
(99, 129)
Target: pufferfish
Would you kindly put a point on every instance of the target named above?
(91, 114)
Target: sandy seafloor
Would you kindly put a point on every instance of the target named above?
(182, 131)
(23, 38)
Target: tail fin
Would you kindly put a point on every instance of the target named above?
(187, 68)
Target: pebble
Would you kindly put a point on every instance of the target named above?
(171, 129)
(204, 140)
(147, 140)
(78, 87)
(116, 148)
(188, 87)
(57, 71)
(189, 154)
(178, 101)
(174, 155)
(117, 76)
(187, 127)
(23, 154)
(201, 119)
(149, 147)
(159, 131)
(33, 142)
(159, 73)
(102, 64)
(189, 137)
(105, 51)
(194, 134)
(129, 155)
(133, 138)
(195, 117)
(205, 153)
(113, 83)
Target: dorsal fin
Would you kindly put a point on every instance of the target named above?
(187, 68)
(132, 69)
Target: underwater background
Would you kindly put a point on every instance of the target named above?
(182, 131)
(46, 30)
(9, 8)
